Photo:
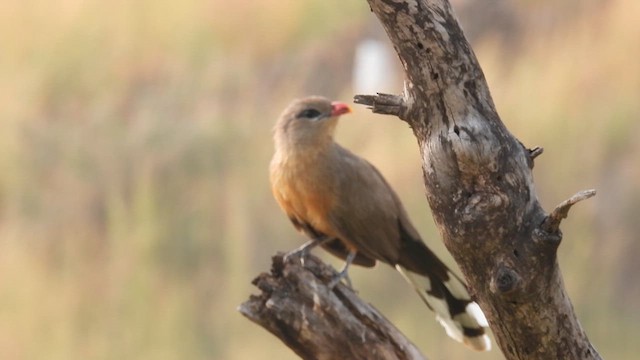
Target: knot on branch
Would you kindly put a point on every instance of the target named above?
(386, 104)
(505, 281)
(481, 204)
(544, 238)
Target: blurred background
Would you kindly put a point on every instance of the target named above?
(135, 138)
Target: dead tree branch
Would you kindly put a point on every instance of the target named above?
(321, 323)
(479, 184)
(552, 223)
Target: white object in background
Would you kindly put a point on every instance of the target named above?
(373, 69)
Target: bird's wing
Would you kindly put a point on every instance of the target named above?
(374, 220)
(371, 217)
(367, 214)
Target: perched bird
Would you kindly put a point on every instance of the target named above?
(344, 204)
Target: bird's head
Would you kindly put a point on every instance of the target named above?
(309, 120)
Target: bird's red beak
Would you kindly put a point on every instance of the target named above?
(339, 108)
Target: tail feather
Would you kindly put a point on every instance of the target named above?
(461, 317)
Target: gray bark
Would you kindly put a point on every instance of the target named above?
(479, 185)
(321, 323)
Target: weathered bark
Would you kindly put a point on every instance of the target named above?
(321, 323)
(479, 185)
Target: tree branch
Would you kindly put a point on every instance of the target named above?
(321, 323)
(535, 152)
(551, 223)
(479, 185)
(385, 104)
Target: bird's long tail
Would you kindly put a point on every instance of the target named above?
(461, 317)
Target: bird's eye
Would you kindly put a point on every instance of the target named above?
(309, 113)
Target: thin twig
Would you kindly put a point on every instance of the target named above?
(551, 223)
(386, 104)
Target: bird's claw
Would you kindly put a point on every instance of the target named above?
(304, 250)
(290, 256)
(338, 278)
(344, 273)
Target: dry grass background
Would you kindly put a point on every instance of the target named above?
(134, 142)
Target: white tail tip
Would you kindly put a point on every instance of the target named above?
(478, 343)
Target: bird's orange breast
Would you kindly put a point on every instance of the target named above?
(304, 196)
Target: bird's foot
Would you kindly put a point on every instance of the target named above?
(291, 255)
(344, 273)
(303, 250)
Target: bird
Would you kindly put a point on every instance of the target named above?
(344, 205)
